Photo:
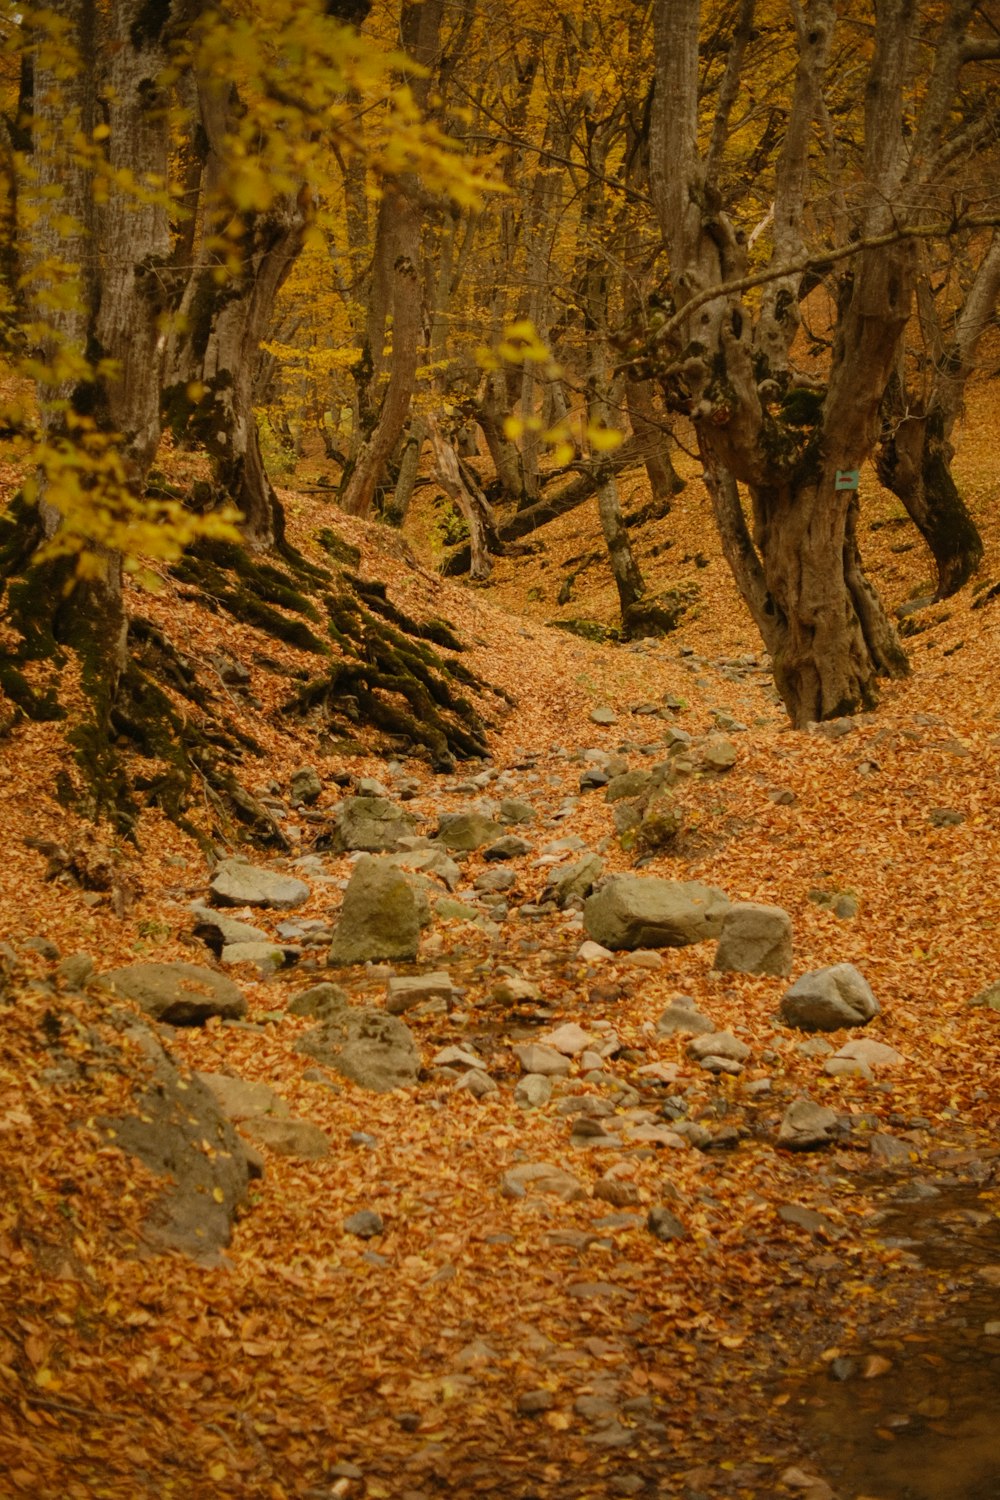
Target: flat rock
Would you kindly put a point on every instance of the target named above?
(755, 939)
(477, 1083)
(569, 1039)
(507, 847)
(535, 1058)
(533, 1091)
(237, 884)
(513, 990)
(828, 999)
(665, 1224)
(875, 1054)
(603, 716)
(216, 929)
(372, 825)
(645, 911)
(178, 993)
(571, 885)
(287, 1137)
(402, 993)
(719, 1044)
(239, 1098)
(433, 861)
(456, 1057)
(542, 1177)
(380, 917)
(806, 1126)
(267, 956)
(375, 1051)
(366, 1224)
(682, 1017)
(718, 753)
(512, 810)
(466, 831)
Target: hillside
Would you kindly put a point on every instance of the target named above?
(485, 1333)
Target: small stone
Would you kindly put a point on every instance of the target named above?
(366, 1224)
(570, 1039)
(665, 1225)
(890, 1151)
(404, 993)
(875, 1054)
(300, 1139)
(806, 1126)
(531, 1403)
(237, 884)
(719, 754)
(479, 1084)
(719, 1044)
(603, 716)
(542, 1177)
(319, 1000)
(828, 999)
(76, 970)
(682, 1016)
(456, 1057)
(618, 1193)
(643, 958)
(515, 991)
(755, 939)
(514, 811)
(305, 785)
(592, 952)
(508, 847)
(533, 1091)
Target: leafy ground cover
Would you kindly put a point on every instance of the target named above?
(515, 1346)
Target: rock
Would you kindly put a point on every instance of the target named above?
(719, 1044)
(319, 1000)
(239, 1098)
(808, 1219)
(537, 1059)
(379, 918)
(305, 785)
(946, 817)
(782, 796)
(755, 939)
(644, 911)
(569, 1039)
(827, 999)
(530, 1403)
(217, 930)
(875, 1054)
(514, 811)
(288, 1137)
(570, 886)
(432, 861)
(591, 952)
(847, 1067)
(617, 1192)
(465, 831)
(178, 993)
(890, 1151)
(603, 716)
(508, 847)
(533, 1091)
(76, 970)
(643, 958)
(180, 1134)
(718, 753)
(366, 1224)
(513, 990)
(374, 1050)
(457, 1057)
(237, 884)
(665, 1225)
(370, 824)
(404, 993)
(806, 1126)
(682, 1016)
(267, 956)
(494, 882)
(627, 786)
(478, 1083)
(990, 996)
(658, 828)
(542, 1177)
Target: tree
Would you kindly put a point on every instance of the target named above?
(729, 360)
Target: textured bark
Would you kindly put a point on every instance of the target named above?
(475, 508)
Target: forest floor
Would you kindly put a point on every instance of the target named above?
(531, 1346)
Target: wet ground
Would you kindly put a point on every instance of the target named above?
(916, 1415)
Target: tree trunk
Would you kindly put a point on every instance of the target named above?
(476, 510)
(409, 463)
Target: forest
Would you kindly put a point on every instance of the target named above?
(499, 569)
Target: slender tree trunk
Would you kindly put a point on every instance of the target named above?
(409, 463)
(476, 510)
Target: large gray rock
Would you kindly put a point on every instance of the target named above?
(175, 1119)
(644, 911)
(827, 999)
(319, 1000)
(371, 1048)
(380, 917)
(572, 885)
(433, 861)
(371, 824)
(235, 883)
(465, 831)
(240, 1098)
(755, 940)
(180, 994)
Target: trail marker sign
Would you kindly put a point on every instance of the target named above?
(847, 479)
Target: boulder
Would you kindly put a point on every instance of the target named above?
(644, 911)
(370, 824)
(179, 1132)
(180, 994)
(235, 883)
(216, 930)
(379, 919)
(755, 939)
(374, 1050)
(827, 999)
(466, 831)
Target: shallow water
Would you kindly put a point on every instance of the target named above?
(929, 1428)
